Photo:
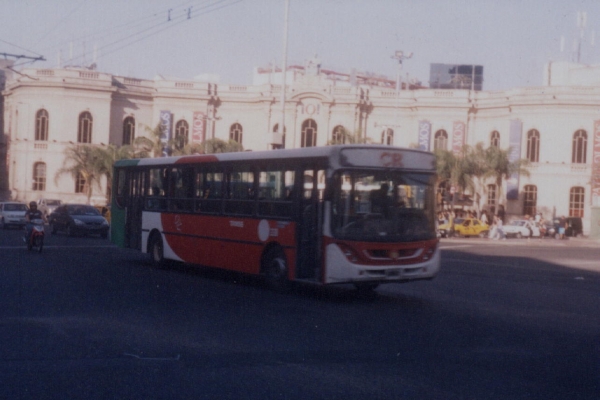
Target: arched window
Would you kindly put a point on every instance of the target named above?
(84, 131)
(182, 133)
(128, 130)
(387, 136)
(576, 201)
(338, 136)
(491, 196)
(530, 200)
(309, 133)
(533, 145)
(495, 139)
(235, 133)
(39, 176)
(80, 183)
(41, 125)
(440, 140)
(579, 147)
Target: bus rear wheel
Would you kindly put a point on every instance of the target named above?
(156, 250)
(275, 270)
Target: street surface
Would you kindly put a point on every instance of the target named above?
(512, 319)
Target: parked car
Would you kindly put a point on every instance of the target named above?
(574, 227)
(47, 206)
(471, 227)
(521, 228)
(550, 229)
(12, 213)
(78, 219)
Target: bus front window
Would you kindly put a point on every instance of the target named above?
(387, 207)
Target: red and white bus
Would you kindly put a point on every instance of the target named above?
(361, 214)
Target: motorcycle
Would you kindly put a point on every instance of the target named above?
(36, 239)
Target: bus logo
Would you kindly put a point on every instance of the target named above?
(389, 159)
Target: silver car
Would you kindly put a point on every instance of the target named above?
(12, 213)
(47, 206)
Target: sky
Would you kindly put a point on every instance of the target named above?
(512, 39)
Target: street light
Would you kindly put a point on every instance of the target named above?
(400, 56)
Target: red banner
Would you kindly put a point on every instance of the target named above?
(596, 164)
(458, 136)
(198, 127)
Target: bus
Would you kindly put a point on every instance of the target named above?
(343, 214)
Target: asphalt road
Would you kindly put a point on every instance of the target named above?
(503, 320)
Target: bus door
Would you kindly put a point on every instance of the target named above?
(135, 203)
(310, 222)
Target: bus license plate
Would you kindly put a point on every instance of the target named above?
(392, 272)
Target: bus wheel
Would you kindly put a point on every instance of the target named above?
(156, 250)
(275, 270)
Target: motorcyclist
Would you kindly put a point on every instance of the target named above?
(30, 215)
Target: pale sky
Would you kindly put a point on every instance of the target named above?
(512, 39)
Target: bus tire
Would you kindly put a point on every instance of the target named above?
(156, 250)
(275, 270)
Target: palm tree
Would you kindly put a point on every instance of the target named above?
(349, 138)
(501, 168)
(215, 145)
(86, 162)
(455, 169)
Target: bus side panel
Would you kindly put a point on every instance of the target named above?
(225, 242)
(118, 218)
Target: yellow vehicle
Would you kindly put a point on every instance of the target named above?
(105, 211)
(470, 227)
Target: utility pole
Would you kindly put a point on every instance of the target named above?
(281, 127)
(400, 56)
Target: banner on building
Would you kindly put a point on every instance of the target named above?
(458, 136)
(512, 184)
(198, 127)
(424, 135)
(596, 165)
(165, 131)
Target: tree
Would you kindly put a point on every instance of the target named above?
(83, 161)
(349, 138)
(500, 167)
(215, 145)
(455, 169)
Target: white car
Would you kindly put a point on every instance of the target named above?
(12, 213)
(47, 206)
(521, 228)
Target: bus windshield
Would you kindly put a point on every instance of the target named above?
(383, 206)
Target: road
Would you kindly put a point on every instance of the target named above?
(503, 320)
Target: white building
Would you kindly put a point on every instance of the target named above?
(556, 126)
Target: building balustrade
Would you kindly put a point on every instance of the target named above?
(89, 75)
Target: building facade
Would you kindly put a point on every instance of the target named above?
(555, 126)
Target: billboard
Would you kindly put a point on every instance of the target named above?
(165, 131)
(596, 165)
(198, 127)
(456, 76)
(424, 135)
(458, 136)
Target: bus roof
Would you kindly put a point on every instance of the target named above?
(339, 156)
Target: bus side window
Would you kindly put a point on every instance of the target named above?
(275, 192)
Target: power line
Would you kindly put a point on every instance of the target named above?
(161, 27)
(17, 46)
